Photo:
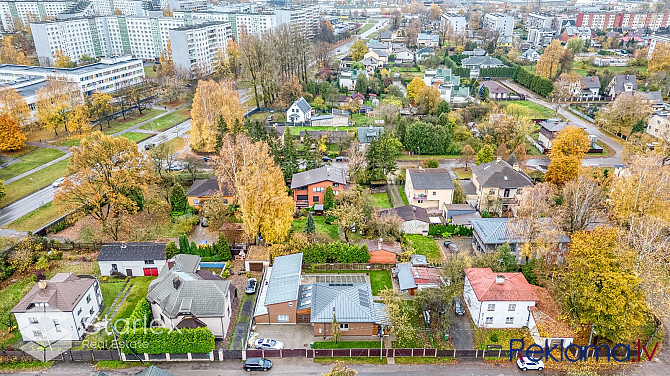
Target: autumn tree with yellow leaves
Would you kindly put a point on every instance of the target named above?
(211, 101)
(358, 50)
(567, 151)
(622, 114)
(414, 87)
(61, 60)
(552, 60)
(54, 101)
(11, 53)
(11, 137)
(660, 58)
(108, 179)
(248, 170)
(13, 104)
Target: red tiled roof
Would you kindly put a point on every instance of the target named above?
(424, 275)
(515, 287)
(382, 257)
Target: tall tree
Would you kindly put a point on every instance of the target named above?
(61, 60)
(54, 101)
(427, 100)
(485, 155)
(624, 112)
(567, 151)
(109, 178)
(358, 50)
(582, 203)
(350, 210)
(213, 100)
(13, 104)
(11, 137)
(660, 58)
(11, 52)
(100, 108)
(467, 155)
(328, 198)
(549, 63)
(310, 226)
(414, 87)
(381, 156)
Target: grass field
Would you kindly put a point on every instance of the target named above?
(169, 120)
(485, 337)
(119, 125)
(346, 345)
(36, 219)
(136, 136)
(149, 71)
(426, 246)
(296, 130)
(379, 280)
(530, 110)
(582, 71)
(365, 28)
(35, 158)
(137, 292)
(321, 226)
(403, 195)
(407, 157)
(463, 172)
(109, 292)
(381, 200)
(25, 186)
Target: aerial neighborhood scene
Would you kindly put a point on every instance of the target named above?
(211, 187)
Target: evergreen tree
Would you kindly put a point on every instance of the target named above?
(171, 250)
(310, 226)
(485, 155)
(442, 108)
(289, 162)
(328, 199)
(183, 243)
(362, 84)
(178, 199)
(507, 259)
(223, 248)
(221, 131)
(638, 127)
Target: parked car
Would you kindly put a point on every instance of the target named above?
(57, 183)
(205, 159)
(149, 146)
(204, 222)
(268, 344)
(270, 118)
(257, 364)
(458, 306)
(526, 364)
(251, 286)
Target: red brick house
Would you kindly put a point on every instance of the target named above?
(309, 187)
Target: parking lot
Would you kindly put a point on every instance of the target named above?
(294, 336)
(464, 244)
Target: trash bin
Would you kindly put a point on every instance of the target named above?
(446, 337)
(311, 345)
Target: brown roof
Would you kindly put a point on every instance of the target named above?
(206, 188)
(62, 293)
(373, 245)
(514, 288)
(382, 257)
(258, 253)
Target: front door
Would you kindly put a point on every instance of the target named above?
(129, 272)
(115, 267)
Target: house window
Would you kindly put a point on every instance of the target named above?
(79, 312)
(335, 185)
(290, 304)
(511, 307)
(196, 201)
(317, 189)
(37, 334)
(91, 311)
(344, 326)
(489, 320)
(33, 320)
(57, 326)
(506, 194)
(282, 318)
(419, 201)
(336, 193)
(492, 191)
(491, 307)
(88, 298)
(434, 193)
(225, 201)
(509, 320)
(149, 262)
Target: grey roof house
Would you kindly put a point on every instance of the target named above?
(415, 218)
(622, 83)
(183, 296)
(490, 233)
(590, 86)
(131, 259)
(498, 183)
(299, 112)
(367, 134)
(429, 188)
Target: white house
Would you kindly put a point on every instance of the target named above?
(132, 259)
(186, 297)
(59, 309)
(659, 126)
(403, 55)
(429, 188)
(498, 300)
(348, 78)
(530, 55)
(382, 56)
(299, 112)
(415, 219)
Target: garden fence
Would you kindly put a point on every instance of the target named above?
(345, 266)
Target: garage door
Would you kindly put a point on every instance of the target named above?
(255, 266)
(150, 272)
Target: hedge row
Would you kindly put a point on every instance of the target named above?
(455, 69)
(335, 252)
(437, 230)
(540, 85)
(163, 340)
(498, 72)
(141, 316)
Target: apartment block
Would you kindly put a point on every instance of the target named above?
(457, 22)
(22, 13)
(655, 40)
(501, 23)
(194, 46)
(610, 20)
(542, 21)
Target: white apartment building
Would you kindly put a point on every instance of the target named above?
(194, 47)
(609, 20)
(655, 40)
(25, 12)
(501, 23)
(542, 21)
(659, 126)
(456, 21)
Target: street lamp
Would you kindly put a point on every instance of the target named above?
(418, 156)
(37, 185)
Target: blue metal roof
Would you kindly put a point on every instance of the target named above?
(284, 280)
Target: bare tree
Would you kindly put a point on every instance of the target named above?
(582, 203)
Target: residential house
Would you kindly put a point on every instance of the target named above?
(382, 56)
(548, 130)
(345, 62)
(424, 53)
(371, 64)
(611, 61)
(447, 84)
(570, 32)
(541, 37)
(477, 63)
(545, 325)
(367, 134)
(659, 126)
(415, 219)
(412, 277)
(184, 296)
(381, 252)
(381, 46)
(277, 302)
(204, 189)
(386, 36)
(655, 100)
(430, 188)
(530, 55)
(348, 78)
(310, 186)
(404, 55)
(428, 40)
(455, 22)
(460, 214)
(131, 259)
(58, 309)
(498, 183)
(300, 112)
(621, 83)
(475, 52)
(496, 90)
(498, 300)
(491, 233)
(590, 86)
(357, 98)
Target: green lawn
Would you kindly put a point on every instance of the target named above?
(25, 186)
(414, 158)
(381, 200)
(137, 292)
(119, 124)
(403, 195)
(136, 136)
(29, 161)
(530, 110)
(109, 292)
(365, 28)
(379, 280)
(169, 120)
(485, 337)
(149, 71)
(37, 219)
(615, 70)
(296, 130)
(462, 172)
(426, 246)
(321, 226)
(70, 142)
(346, 345)
(361, 120)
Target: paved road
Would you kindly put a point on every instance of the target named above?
(45, 195)
(344, 48)
(397, 199)
(460, 332)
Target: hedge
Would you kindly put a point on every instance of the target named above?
(540, 85)
(437, 230)
(141, 316)
(335, 252)
(455, 69)
(498, 72)
(163, 340)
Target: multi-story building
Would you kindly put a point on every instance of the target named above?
(655, 40)
(659, 126)
(542, 21)
(19, 14)
(610, 20)
(541, 37)
(457, 22)
(501, 23)
(194, 47)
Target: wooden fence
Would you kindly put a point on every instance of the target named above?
(345, 266)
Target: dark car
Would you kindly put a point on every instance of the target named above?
(458, 306)
(251, 286)
(257, 364)
(149, 146)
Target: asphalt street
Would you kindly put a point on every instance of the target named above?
(344, 49)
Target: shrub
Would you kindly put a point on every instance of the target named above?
(494, 337)
(141, 315)
(171, 249)
(443, 230)
(335, 252)
(163, 340)
(184, 223)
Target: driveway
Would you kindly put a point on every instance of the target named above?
(294, 336)
(464, 244)
(461, 332)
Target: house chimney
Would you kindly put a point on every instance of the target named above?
(500, 279)
(516, 167)
(123, 245)
(499, 158)
(42, 284)
(327, 171)
(593, 78)
(176, 282)
(379, 244)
